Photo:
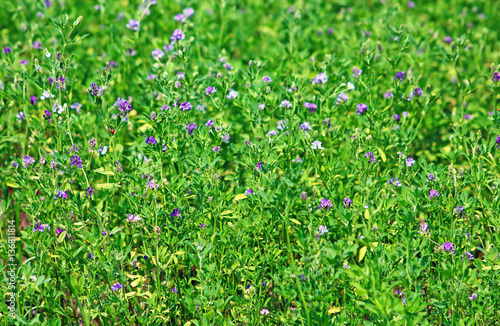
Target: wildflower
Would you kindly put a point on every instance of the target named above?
(39, 227)
(210, 123)
(347, 202)
(210, 90)
(188, 12)
(89, 191)
(433, 193)
(174, 290)
(203, 225)
(325, 203)
(322, 230)
(95, 90)
(262, 106)
(400, 76)
(430, 177)
(321, 78)
(305, 126)
(388, 95)
(14, 164)
(303, 195)
(469, 255)
(473, 296)
(76, 106)
(175, 213)
(272, 133)
(395, 182)
(285, 104)
(216, 149)
(24, 62)
(447, 39)
(496, 77)
(33, 100)
(316, 145)
(424, 229)
(342, 98)
(350, 86)
(60, 83)
(76, 161)
(28, 160)
(37, 45)
(266, 79)
(180, 17)
(46, 94)
(356, 72)
(116, 287)
(177, 35)
(361, 108)
(311, 106)
(497, 141)
(7, 50)
(21, 116)
(191, 127)
(410, 162)
(460, 210)
(248, 192)
(449, 247)
(418, 91)
(157, 54)
(467, 116)
(346, 266)
(232, 94)
(264, 312)
(411, 4)
(371, 157)
(90, 256)
(226, 138)
(133, 25)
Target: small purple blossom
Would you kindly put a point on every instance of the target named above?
(133, 25)
(433, 193)
(175, 213)
(325, 203)
(76, 161)
(347, 202)
(151, 140)
(191, 127)
(361, 108)
(116, 287)
(28, 160)
(410, 162)
(210, 90)
(371, 157)
(177, 35)
(356, 72)
(400, 76)
(449, 247)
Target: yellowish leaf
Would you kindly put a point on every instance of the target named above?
(295, 221)
(12, 184)
(334, 310)
(367, 214)
(362, 253)
(240, 196)
(382, 154)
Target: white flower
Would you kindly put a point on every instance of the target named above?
(232, 94)
(316, 145)
(58, 108)
(350, 86)
(264, 312)
(45, 95)
(47, 53)
(33, 278)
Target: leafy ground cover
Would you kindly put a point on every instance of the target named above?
(250, 162)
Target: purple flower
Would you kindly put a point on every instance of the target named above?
(395, 182)
(116, 287)
(210, 90)
(433, 193)
(177, 35)
(262, 106)
(37, 45)
(361, 108)
(95, 90)
(411, 4)
(321, 78)
(188, 12)
(157, 54)
(303, 195)
(90, 192)
(232, 94)
(305, 126)
(39, 227)
(272, 133)
(15, 165)
(24, 62)
(180, 17)
(342, 98)
(388, 95)
(216, 149)
(133, 25)
(203, 225)
(185, 106)
(151, 140)
(400, 76)
(467, 116)
(325, 203)
(496, 77)
(90, 256)
(410, 162)
(418, 91)
(76, 161)
(61, 194)
(175, 213)
(356, 72)
(248, 192)
(322, 230)
(347, 202)
(449, 247)
(175, 290)
(130, 52)
(469, 255)
(497, 141)
(191, 127)
(28, 160)
(33, 100)
(473, 296)
(285, 104)
(424, 229)
(447, 39)
(311, 106)
(371, 157)
(266, 79)
(7, 50)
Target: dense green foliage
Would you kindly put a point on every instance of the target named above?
(250, 162)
